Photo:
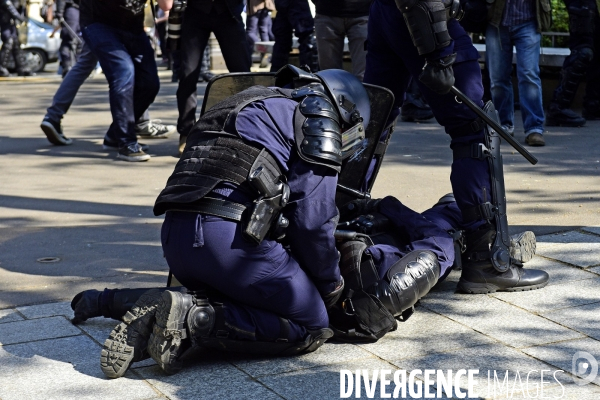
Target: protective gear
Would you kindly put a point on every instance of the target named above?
(481, 276)
(185, 321)
(127, 342)
(110, 303)
(179, 6)
(426, 21)
(571, 75)
(496, 209)
(360, 316)
(10, 11)
(438, 75)
(410, 278)
(331, 298)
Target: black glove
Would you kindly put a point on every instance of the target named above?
(179, 6)
(331, 298)
(438, 75)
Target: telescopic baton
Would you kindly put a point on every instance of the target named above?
(496, 126)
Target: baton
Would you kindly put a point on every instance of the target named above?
(496, 126)
(71, 31)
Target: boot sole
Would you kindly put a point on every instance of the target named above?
(164, 348)
(523, 246)
(125, 343)
(485, 288)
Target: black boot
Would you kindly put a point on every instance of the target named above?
(557, 116)
(479, 276)
(128, 341)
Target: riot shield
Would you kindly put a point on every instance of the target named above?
(360, 170)
(224, 86)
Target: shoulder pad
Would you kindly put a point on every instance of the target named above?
(317, 131)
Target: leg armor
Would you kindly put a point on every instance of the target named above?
(494, 209)
(575, 68)
(407, 281)
(426, 21)
(186, 321)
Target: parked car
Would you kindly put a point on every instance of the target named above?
(41, 47)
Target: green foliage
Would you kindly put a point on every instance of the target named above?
(560, 23)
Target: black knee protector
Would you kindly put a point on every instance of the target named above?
(207, 328)
(426, 21)
(572, 73)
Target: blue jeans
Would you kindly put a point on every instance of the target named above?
(499, 54)
(127, 60)
(64, 96)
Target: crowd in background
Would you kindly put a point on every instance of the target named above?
(322, 33)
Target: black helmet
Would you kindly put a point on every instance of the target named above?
(349, 94)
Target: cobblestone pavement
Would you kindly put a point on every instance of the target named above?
(93, 213)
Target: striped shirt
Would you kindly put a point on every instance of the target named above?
(517, 12)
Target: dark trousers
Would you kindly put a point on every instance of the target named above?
(10, 45)
(258, 27)
(195, 31)
(392, 59)
(127, 60)
(293, 17)
(69, 46)
(264, 282)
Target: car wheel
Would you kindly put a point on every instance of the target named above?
(36, 59)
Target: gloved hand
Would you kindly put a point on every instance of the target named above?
(179, 6)
(57, 22)
(438, 75)
(331, 298)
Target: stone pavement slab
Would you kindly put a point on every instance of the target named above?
(66, 368)
(425, 333)
(47, 310)
(559, 271)
(499, 320)
(576, 248)
(584, 319)
(37, 329)
(561, 355)
(9, 316)
(554, 297)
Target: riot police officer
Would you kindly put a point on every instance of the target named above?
(422, 39)
(67, 12)
(11, 12)
(584, 43)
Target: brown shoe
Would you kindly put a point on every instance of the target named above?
(182, 140)
(535, 139)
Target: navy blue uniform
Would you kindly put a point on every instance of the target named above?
(392, 59)
(264, 281)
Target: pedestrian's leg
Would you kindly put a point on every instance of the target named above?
(356, 29)
(330, 33)
(282, 31)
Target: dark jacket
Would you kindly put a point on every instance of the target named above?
(343, 8)
(543, 14)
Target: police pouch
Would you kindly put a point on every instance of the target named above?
(273, 195)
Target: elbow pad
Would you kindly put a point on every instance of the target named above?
(427, 23)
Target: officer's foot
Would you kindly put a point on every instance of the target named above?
(169, 338)
(481, 277)
(54, 133)
(412, 113)
(128, 342)
(86, 305)
(25, 72)
(563, 117)
(591, 110)
(522, 246)
(4, 72)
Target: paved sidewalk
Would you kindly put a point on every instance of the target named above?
(92, 212)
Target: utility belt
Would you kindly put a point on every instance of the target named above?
(263, 216)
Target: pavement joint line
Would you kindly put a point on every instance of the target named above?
(566, 263)
(255, 379)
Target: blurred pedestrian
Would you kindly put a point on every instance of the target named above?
(258, 24)
(200, 19)
(12, 13)
(584, 43)
(334, 21)
(293, 18)
(67, 18)
(518, 23)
